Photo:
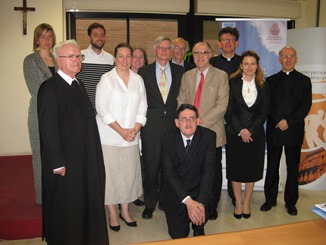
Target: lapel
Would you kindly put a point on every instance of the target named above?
(209, 83)
(152, 83)
(42, 66)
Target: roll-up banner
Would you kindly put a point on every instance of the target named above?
(310, 44)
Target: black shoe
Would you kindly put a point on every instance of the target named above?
(246, 216)
(131, 224)
(237, 216)
(291, 209)
(138, 202)
(212, 214)
(148, 213)
(199, 231)
(267, 206)
(115, 228)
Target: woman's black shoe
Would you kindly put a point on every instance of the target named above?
(115, 228)
(237, 216)
(246, 216)
(131, 224)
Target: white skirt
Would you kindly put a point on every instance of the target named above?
(123, 174)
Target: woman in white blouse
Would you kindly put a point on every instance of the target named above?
(245, 117)
(121, 106)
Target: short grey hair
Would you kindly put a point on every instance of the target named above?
(57, 47)
(161, 39)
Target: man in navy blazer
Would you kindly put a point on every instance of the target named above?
(290, 102)
(160, 117)
(188, 167)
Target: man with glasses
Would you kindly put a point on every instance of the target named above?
(73, 174)
(229, 62)
(188, 167)
(180, 47)
(97, 61)
(290, 102)
(207, 88)
(162, 82)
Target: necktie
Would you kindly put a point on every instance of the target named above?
(188, 144)
(199, 89)
(163, 85)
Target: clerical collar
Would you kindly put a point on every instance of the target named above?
(288, 72)
(227, 59)
(181, 64)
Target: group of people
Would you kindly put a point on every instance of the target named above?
(89, 109)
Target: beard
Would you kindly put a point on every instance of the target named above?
(94, 45)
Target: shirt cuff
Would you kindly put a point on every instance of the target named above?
(185, 199)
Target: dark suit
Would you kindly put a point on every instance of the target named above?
(291, 100)
(245, 161)
(186, 65)
(160, 118)
(190, 174)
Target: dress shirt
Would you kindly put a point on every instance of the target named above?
(117, 103)
(167, 73)
(199, 76)
(249, 91)
(184, 139)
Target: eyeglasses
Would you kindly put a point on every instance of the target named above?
(290, 56)
(179, 48)
(190, 119)
(163, 48)
(201, 52)
(81, 57)
(227, 40)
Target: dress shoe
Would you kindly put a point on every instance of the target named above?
(291, 209)
(199, 231)
(237, 216)
(138, 202)
(246, 216)
(148, 213)
(131, 224)
(115, 228)
(212, 214)
(267, 206)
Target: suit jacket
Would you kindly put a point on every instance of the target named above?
(186, 65)
(160, 116)
(187, 174)
(240, 116)
(213, 101)
(291, 99)
(35, 72)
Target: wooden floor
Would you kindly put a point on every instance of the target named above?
(156, 229)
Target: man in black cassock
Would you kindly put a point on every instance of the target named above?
(290, 102)
(73, 175)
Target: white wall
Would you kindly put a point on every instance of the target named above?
(14, 96)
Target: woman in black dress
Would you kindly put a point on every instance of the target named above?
(245, 118)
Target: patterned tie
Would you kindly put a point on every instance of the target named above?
(188, 144)
(199, 89)
(163, 85)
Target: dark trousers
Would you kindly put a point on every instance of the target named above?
(151, 150)
(178, 220)
(292, 155)
(217, 184)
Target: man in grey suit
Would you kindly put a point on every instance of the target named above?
(211, 103)
(162, 82)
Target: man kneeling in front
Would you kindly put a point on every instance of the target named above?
(188, 167)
